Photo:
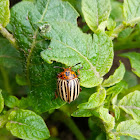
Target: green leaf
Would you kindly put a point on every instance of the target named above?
(129, 128)
(70, 46)
(95, 12)
(130, 78)
(3, 120)
(95, 100)
(131, 104)
(115, 90)
(26, 124)
(4, 12)
(41, 76)
(125, 33)
(111, 24)
(11, 101)
(131, 9)
(101, 115)
(9, 56)
(82, 113)
(21, 80)
(116, 111)
(116, 11)
(116, 77)
(1, 102)
(134, 60)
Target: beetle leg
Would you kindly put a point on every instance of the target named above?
(79, 71)
(56, 95)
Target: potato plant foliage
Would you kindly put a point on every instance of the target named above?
(36, 35)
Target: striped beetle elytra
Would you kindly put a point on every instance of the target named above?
(68, 84)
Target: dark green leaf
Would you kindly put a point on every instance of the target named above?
(116, 77)
(131, 104)
(4, 12)
(9, 56)
(41, 76)
(20, 79)
(95, 12)
(134, 60)
(26, 124)
(130, 78)
(129, 128)
(125, 33)
(95, 100)
(70, 46)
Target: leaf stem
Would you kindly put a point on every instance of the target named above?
(6, 80)
(9, 36)
(117, 30)
(61, 116)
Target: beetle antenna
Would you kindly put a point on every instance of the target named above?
(76, 64)
(58, 67)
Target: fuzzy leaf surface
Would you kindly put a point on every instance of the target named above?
(4, 12)
(134, 60)
(27, 125)
(69, 45)
(131, 9)
(41, 77)
(95, 100)
(1, 102)
(129, 128)
(95, 12)
(101, 115)
(131, 104)
(116, 77)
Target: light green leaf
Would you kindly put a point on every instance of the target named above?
(95, 100)
(95, 12)
(4, 12)
(131, 9)
(27, 125)
(102, 117)
(116, 111)
(1, 102)
(116, 77)
(131, 104)
(134, 60)
(82, 113)
(116, 11)
(116, 89)
(41, 77)
(70, 46)
(111, 24)
(129, 128)
(11, 101)
(3, 120)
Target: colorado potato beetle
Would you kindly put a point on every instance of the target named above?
(68, 84)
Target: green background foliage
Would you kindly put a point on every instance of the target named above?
(36, 35)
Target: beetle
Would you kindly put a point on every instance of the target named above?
(68, 84)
